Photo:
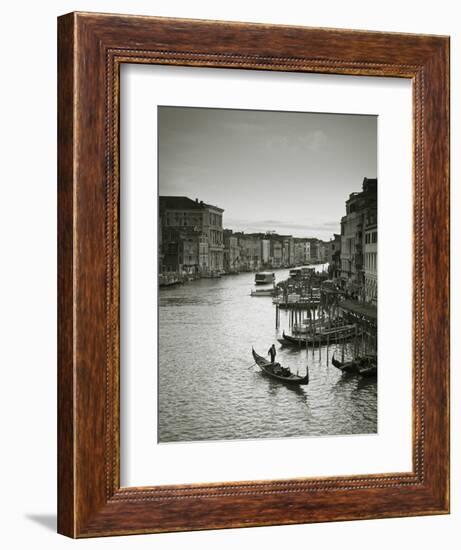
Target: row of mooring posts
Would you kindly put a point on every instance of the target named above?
(310, 317)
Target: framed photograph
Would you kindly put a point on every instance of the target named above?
(222, 308)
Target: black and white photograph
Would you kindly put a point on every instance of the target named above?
(193, 308)
(267, 274)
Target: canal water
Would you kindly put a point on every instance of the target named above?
(209, 390)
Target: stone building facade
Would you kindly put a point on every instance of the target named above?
(360, 207)
(193, 231)
(370, 254)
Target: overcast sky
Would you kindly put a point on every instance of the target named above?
(286, 172)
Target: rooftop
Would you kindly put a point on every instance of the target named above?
(184, 203)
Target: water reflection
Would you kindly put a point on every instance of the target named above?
(208, 389)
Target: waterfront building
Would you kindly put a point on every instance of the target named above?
(291, 253)
(288, 251)
(285, 253)
(214, 230)
(250, 251)
(302, 247)
(299, 252)
(205, 220)
(231, 259)
(180, 212)
(370, 252)
(322, 251)
(189, 251)
(276, 252)
(266, 251)
(181, 251)
(169, 255)
(359, 207)
(203, 260)
(254, 251)
(193, 242)
(314, 250)
(307, 251)
(160, 246)
(334, 256)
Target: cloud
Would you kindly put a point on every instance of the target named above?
(240, 126)
(315, 141)
(312, 141)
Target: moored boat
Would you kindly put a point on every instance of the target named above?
(343, 366)
(275, 370)
(365, 366)
(320, 324)
(212, 275)
(169, 280)
(321, 337)
(368, 367)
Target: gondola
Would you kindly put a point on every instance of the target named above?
(324, 337)
(346, 366)
(320, 325)
(284, 375)
(364, 366)
(368, 368)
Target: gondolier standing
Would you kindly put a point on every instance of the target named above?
(272, 353)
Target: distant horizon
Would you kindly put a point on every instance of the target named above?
(269, 170)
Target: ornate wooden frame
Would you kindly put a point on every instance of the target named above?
(91, 48)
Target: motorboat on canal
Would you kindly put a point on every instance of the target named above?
(299, 273)
(275, 370)
(263, 292)
(265, 278)
(295, 273)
